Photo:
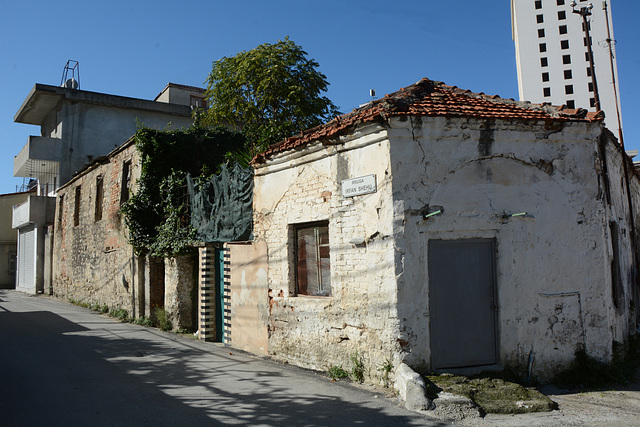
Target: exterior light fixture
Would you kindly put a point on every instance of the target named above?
(432, 211)
(513, 215)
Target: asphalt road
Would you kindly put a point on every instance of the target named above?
(62, 365)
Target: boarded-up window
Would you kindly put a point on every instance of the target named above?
(99, 197)
(126, 181)
(76, 207)
(313, 272)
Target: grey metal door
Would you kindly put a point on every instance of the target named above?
(462, 303)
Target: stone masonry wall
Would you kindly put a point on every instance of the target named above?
(93, 262)
(360, 314)
(179, 290)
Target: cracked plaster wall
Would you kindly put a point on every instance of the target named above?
(553, 264)
(360, 315)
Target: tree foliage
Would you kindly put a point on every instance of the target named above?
(157, 215)
(268, 93)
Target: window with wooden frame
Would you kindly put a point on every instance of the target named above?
(99, 197)
(126, 181)
(76, 207)
(312, 263)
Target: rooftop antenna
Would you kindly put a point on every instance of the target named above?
(71, 82)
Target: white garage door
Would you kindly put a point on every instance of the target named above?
(26, 257)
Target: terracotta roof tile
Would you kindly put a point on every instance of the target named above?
(431, 98)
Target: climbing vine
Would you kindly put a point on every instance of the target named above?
(157, 215)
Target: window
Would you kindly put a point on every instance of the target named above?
(538, 4)
(571, 104)
(562, 29)
(541, 33)
(560, 2)
(126, 181)
(313, 272)
(592, 102)
(76, 207)
(542, 47)
(568, 74)
(588, 71)
(545, 77)
(562, 15)
(539, 19)
(568, 89)
(546, 91)
(584, 40)
(198, 102)
(544, 62)
(588, 26)
(99, 197)
(564, 44)
(60, 209)
(586, 56)
(566, 59)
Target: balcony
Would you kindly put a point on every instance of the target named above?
(39, 210)
(40, 157)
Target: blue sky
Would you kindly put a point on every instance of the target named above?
(134, 48)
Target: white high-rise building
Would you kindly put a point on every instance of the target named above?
(552, 58)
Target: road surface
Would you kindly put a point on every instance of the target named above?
(65, 365)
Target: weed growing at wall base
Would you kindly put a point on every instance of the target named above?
(337, 372)
(357, 371)
(162, 320)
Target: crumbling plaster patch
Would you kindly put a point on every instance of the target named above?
(545, 177)
(317, 332)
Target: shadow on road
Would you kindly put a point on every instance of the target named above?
(101, 372)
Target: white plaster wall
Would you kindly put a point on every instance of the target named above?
(360, 315)
(552, 265)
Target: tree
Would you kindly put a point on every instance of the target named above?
(268, 93)
(157, 215)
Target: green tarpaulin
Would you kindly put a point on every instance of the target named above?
(222, 207)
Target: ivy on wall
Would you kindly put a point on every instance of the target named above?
(157, 215)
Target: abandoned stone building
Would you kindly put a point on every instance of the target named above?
(94, 262)
(446, 229)
(435, 227)
(76, 127)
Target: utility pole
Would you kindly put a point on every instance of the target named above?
(613, 74)
(585, 12)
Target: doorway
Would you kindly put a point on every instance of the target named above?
(462, 303)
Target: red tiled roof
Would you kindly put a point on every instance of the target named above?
(431, 98)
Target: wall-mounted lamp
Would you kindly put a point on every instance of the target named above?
(514, 215)
(435, 210)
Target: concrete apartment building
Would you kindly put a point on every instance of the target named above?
(551, 55)
(77, 127)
